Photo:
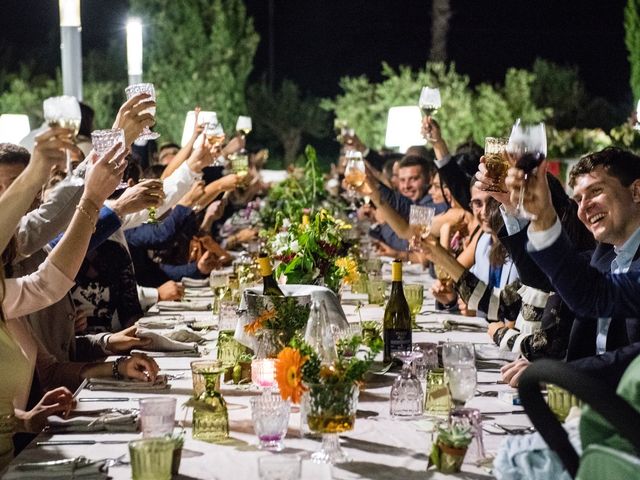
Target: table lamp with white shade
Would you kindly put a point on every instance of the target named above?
(403, 127)
(13, 127)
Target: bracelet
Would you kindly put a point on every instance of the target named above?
(84, 212)
(91, 204)
(114, 368)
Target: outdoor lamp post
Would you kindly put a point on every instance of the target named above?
(403, 128)
(134, 50)
(71, 47)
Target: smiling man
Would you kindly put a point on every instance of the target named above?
(606, 188)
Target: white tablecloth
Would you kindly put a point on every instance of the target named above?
(380, 447)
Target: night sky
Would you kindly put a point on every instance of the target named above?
(318, 41)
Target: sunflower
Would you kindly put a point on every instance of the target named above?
(289, 373)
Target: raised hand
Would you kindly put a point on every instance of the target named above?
(148, 193)
(537, 196)
(200, 158)
(104, 174)
(134, 116)
(49, 152)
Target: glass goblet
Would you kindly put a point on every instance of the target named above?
(148, 88)
(103, 140)
(270, 415)
(406, 393)
(496, 162)
(64, 111)
(414, 294)
(420, 219)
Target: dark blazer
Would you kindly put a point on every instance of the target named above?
(592, 292)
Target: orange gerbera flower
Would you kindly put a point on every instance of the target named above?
(289, 374)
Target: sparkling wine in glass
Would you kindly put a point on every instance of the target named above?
(420, 218)
(63, 111)
(148, 88)
(528, 147)
(430, 101)
(354, 174)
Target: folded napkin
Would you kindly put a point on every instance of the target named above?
(194, 305)
(198, 293)
(105, 422)
(336, 315)
(490, 351)
(174, 341)
(79, 468)
(160, 321)
(177, 353)
(161, 383)
(194, 282)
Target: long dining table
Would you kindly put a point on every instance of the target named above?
(379, 446)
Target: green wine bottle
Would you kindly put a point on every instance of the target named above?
(397, 317)
(271, 287)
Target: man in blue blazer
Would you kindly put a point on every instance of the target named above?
(604, 293)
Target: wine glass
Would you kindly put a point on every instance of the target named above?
(496, 161)
(103, 140)
(63, 111)
(528, 147)
(219, 283)
(354, 174)
(430, 101)
(214, 133)
(406, 393)
(243, 125)
(136, 89)
(420, 219)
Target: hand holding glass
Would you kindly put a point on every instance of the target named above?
(430, 101)
(420, 219)
(496, 162)
(63, 111)
(148, 88)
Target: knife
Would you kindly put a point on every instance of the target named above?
(104, 399)
(50, 443)
(508, 412)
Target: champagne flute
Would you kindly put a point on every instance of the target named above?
(354, 174)
(63, 111)
(420, 218)
(148, 88)
(528, 147)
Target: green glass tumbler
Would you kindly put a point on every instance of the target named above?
(151, 458)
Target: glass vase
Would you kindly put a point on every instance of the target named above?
(331, 410)
(210, 416)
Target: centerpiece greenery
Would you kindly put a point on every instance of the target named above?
(314, 252)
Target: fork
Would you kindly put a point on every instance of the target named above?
(514, 430)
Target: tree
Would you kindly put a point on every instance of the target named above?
(199, 52)
(632, 40)
(287, 115)
(440, 17)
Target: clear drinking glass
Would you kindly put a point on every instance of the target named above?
(458, 353)
(157, 416)
(496, 161)
(354, 174)
(136, 89)
(428, 361)
(151, 458)
(103, 140)
(420, 219)
(462, 381)
(219, 283)
(280, 467)
(270, 415)
(528, 148)
(406, 393)
(430, 101)
(63, 111)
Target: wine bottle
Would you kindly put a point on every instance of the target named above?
(270, 286)
(397, 317)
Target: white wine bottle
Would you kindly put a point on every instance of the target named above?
(270, 286)
(397, 317)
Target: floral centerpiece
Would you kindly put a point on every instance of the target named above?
(329, 390)
(314, 252)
